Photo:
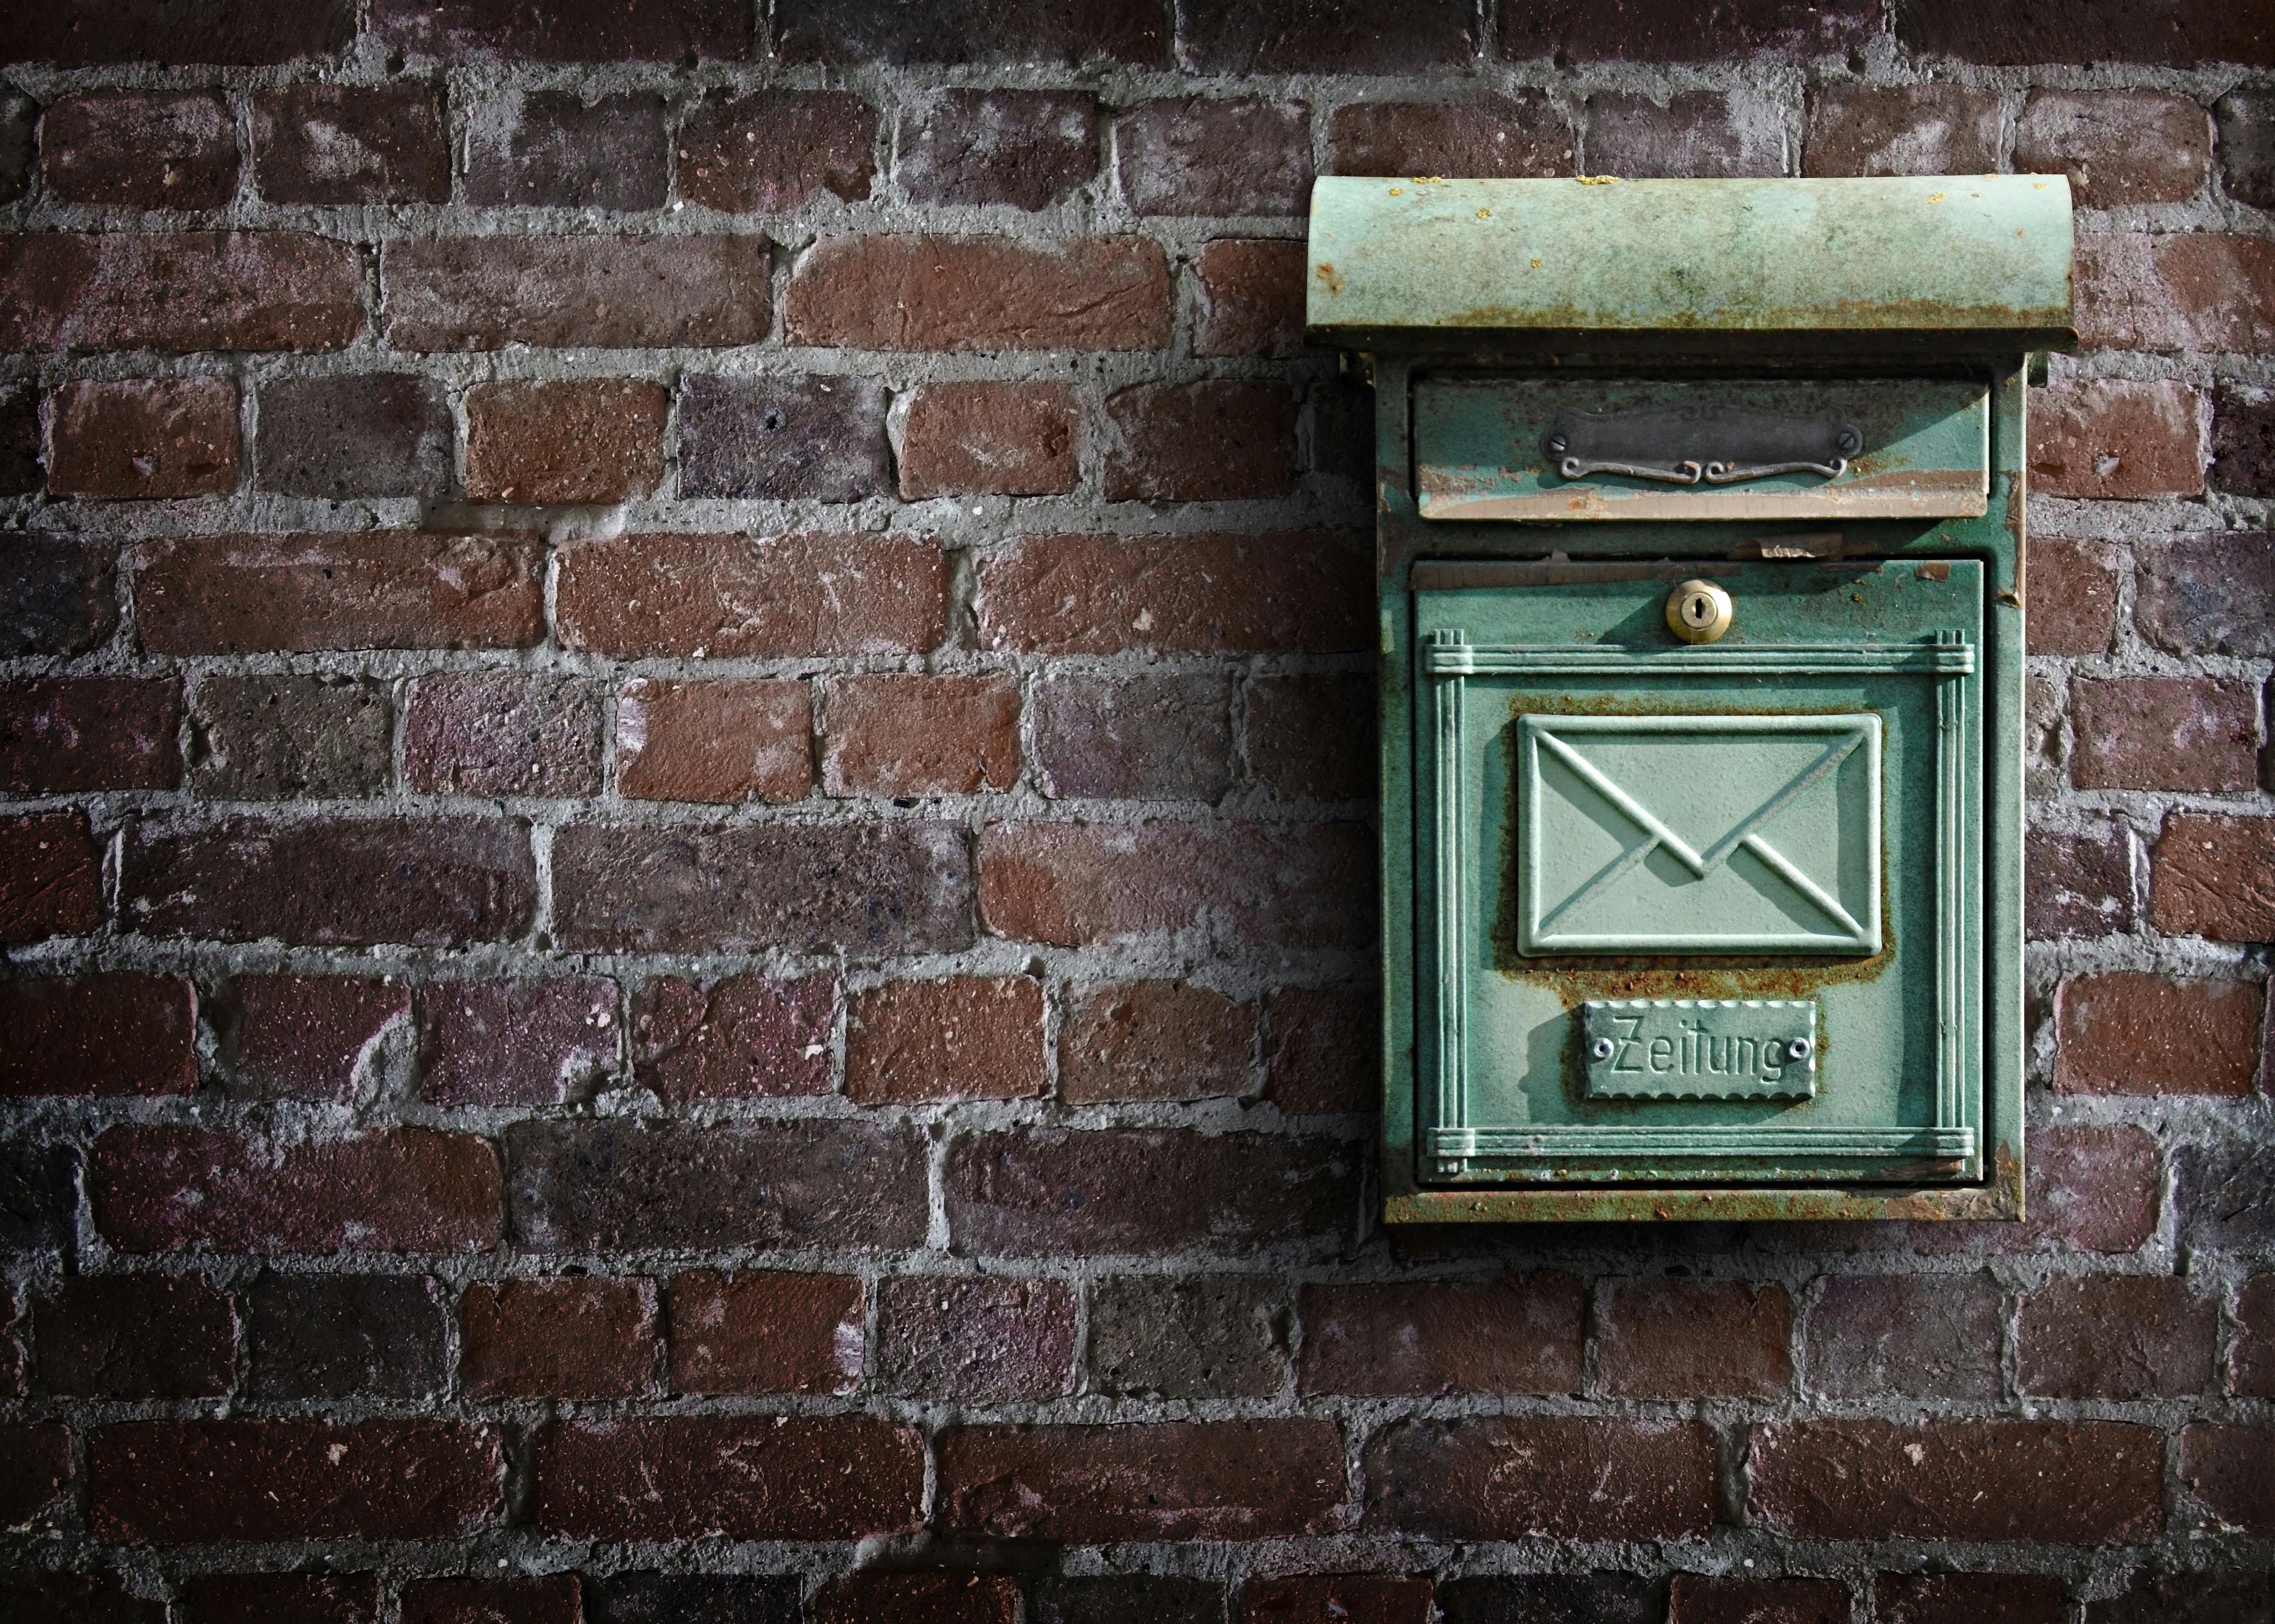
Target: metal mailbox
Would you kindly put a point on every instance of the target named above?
(1701, 590)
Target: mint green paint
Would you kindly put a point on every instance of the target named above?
(1699, 1048)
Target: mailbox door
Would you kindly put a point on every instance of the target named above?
(1706, 914)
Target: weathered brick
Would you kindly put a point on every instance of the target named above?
(2105, 439)
(179, 293)
(1694, 133)
(2115, 1336)
(20, 451)
(1156, 1040)
(1564, 1478)
(331, 881)
(351, 144)
(1189, 1336)
(2057, 1483)
(2077, 31)
(776, 150)
(551, 1599)
(745, 1038)
(1928, 1336)
(1299, 36)
(951, 1038)
(1970, 1598)
(1635, 32)
(304, 1036)
(1200, 156)
(2243, 441)
(404, 1190)
(38, 1456)
(2225, 1468)
(111, 1033)
(990, 439)
(980, 293)
(564, 1339)
(1099, 1484)
(847, 32)
(50, 877)
(168, 1483)
(1049, 1192)
(2213, 876)
(1512, 137)
(674, 31)
(1317, 1599)
(868, 888)
(771, 1331)
(296, 592)
(1516, 1334)
(1124, 1598)
(575, 292)
(2223, 1194)
(144, 439)
(2046, 765)
(269, 738)
(1923, 129)
(66, 734)
(280, 1599)
(2078, 882)
(2181, 733)
(675, 1597)
(2121, 149)
(2211, 594)
(1320, 1050)
(582, 1187)
(906, 736)
(2092, 1188)
(1695, 1599)
(57, 595)
(819, 438)
(136, 1336)
(974, 1340)
(329, 1336)
(1313, 737)
(262, 30)
(1251, 292)
(724, 742)
(506, 734)
(75, 1598)
(2246, 144)
(2133, 1033)
(939, 1597)
(1151, 735)
(1196, 442)
(1025, 148)
(39, 1194)
(555, 148)
(501, 1043)
(2181, 292)
(2158, 1596)
(2251, 1360)
(144, 149)
(744, 1476)
(1598, 1598)
(2073, 596)
(1214, 595)
(585, 440)
(1071, 884)
(1691, 1338)
(734, 597)
(361, 435)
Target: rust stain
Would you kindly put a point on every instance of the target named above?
(1935, 569)
(1326, 273)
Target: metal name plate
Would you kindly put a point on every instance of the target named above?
(1700, 1048)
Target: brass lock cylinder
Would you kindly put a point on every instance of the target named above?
(1698, 611)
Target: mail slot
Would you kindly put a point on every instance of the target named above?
(1701, 593)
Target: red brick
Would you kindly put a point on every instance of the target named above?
(1202, 155)
(1698, 1599)
(404, 1190)
(772, 1331)
(776, 151)
(2079, 882)
(2225, 1468)
(729, 597)
(2180, 36)
(279, 1599)
(1561, 1476)
(1970, 1598)
(1159, 1041)
(724, 742)
(1514, 137)
(1318, 1599)
(2073, 596)
(50, 877)
(560, 1338)
(116, 1032)
(179, 293)
(2181, 291)
(2210, 594)
(1027, 148)
(143, 149)
(1051, 1192)
(2116, 148)
(1684, 33)
(553, 1599)
(2251, 1361)
(904, 735)
(300, 592)
(1693, 133)
(669, 31)
(38, 1465)
(583, 440)
(2115, 1336)
(136, 1336)
(990, 439)
(565, 149)
(1070, 884)
(1200, 594)
(1925, 129)
(1321, 1049)
(66, 734)
(1195, 441)
(1907, 1335)
(2095, 1189)
(57, 594)
(953, 1038)
(351, 144)
(2215, 877)
(2129, 1033)
(502, 1043)
(304, 1037)
(1513, 1335)
(743, 1477)
(262, 30)
(166, 1483)
(330, 882)
(947, 1339)
(2117, 439)
(508, 735)
(1251, 295)
(1313, 736)
(747, 1037)
(923, 1597)
(576, 292)
(142, 439)
(980, 293)
(2179, 733)
(1099, 1485)
(2056, 1482)
(1674, 1339)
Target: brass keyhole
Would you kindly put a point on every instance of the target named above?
(1698, 611)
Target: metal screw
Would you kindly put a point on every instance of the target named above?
(1601, 1049)
(1798, 1049)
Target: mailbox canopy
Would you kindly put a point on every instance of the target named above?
(1958, 263)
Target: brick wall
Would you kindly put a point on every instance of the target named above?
(687, 865)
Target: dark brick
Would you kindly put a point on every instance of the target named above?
(2246, 144)
(1644, 31)
(724, 742)
(2132, 1033)
(1564, 1478)
(819, 438)
(1148, 736)
(144, 439)
(1518, 1334)
(74, 1598)
(429, 881)
(2179, 733)
(1313, 737)
(2073, 596)
(613, 1186)
(351, 144)
(2213, 1597)
(1025, 149)
(304, 1036)
(2078, 882)
(2116, 439)
(777, 150)
(253, 31)
(564, 1339)
(2251, 1361)
(1194, 442)
(277, 738)
(1678, 1338)
(1970, 1598)
(21, 470)
(939, 1596)
(178, 292)
(1317, 1598)
(39, 1194)
(1251, 292)
(2093, 1189)
(1698, 1599)
(280, 1599)
(1159, 1041)
(63, 735)
(38, 1465)
(1598, 1597)
(574, 292)
(142, 149)
(2225, 1468)
(506, 735)
(584, 440)
(1198, 156)
(1190, 1336)
(850, 33)
(57, 595)
(1194, 594)
(672, 31)
(1496, 138)
(2214, 877)
(1907, 1335)
(136, 1336)
(2243, 441)
(1048, 1192)
(19, 119)
(948, 1339)
(2177, 290)
(1926, 129)
(910, 736)
(771, 1331)
(2117, 149)
(502, 1043)
(683, 1598)
(2223, 1195)
(1321, 1049)
(976, 293)
(361, 434)
(2115, 1336)
(2168, 32)
(1325, 36)
(994, 439)
(316, 1336)
(555, 148)
(2210, 594)
(50, 877)
(1693, 133)
(1125, 1598)
(945, 1037)
(745, 1477)
(553, 1599)
(746, 1037)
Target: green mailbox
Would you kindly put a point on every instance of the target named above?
(1700, 575)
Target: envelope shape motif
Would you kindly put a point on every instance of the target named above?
(1721, 835)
